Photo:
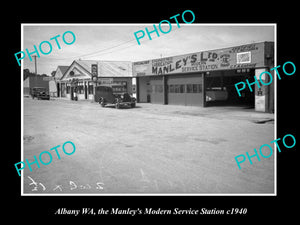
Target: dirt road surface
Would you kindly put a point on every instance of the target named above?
(146, 150)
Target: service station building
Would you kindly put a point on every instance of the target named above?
(208, 78)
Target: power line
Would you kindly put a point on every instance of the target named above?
(125, 46)
(115, 50)
(105, 49)
(91, 53)
(102, 51)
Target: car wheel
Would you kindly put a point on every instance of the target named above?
(102, 103)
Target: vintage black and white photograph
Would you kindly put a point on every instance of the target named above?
(148, 109)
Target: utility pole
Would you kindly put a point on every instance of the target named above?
(35, 70)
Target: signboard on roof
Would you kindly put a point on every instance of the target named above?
(94, 69)
(245, 56)
(48, 78)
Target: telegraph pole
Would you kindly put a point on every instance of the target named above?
(35, 70)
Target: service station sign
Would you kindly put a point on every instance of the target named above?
(245, 56)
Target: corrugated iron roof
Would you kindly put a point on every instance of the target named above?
(108, 68)
(63, 69)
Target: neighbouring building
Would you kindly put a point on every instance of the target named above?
(208, 77)
(83, 75)
(54, 87)
(34, 81)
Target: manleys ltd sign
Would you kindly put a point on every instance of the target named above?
(245, 56)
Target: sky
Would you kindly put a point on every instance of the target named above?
(116, 42)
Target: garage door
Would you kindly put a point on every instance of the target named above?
(185, 90)
(157, 94)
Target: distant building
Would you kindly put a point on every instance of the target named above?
(54, 88)
(34, 81)
(83, 75)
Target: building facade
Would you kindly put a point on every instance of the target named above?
(208, 78)
(34, 81)
(82, 76)
(54, 87)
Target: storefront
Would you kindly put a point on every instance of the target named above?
(81, 77)
(207, 78)
(53, 84)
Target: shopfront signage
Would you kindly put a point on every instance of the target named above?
(105, 80)
(243, 57)
(48, 78)
(94, 69)
(246, 56)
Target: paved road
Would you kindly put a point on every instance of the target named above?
(148, 149)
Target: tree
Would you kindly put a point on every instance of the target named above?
(27, 73)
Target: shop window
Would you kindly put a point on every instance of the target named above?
(195, 88)
(177, 88)
(63, 90)
(122, 83)
(189, 88)
(122, 87)
(80, 88)
(119, 89)
(68, 88)
(91, 88)
(181, 88)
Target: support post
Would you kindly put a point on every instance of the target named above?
(165, 90)
(137, 89)
(203, 90)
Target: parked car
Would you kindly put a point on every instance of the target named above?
(111, 95)
(39, 93)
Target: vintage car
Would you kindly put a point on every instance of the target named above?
(113, 95)
(39, 93)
